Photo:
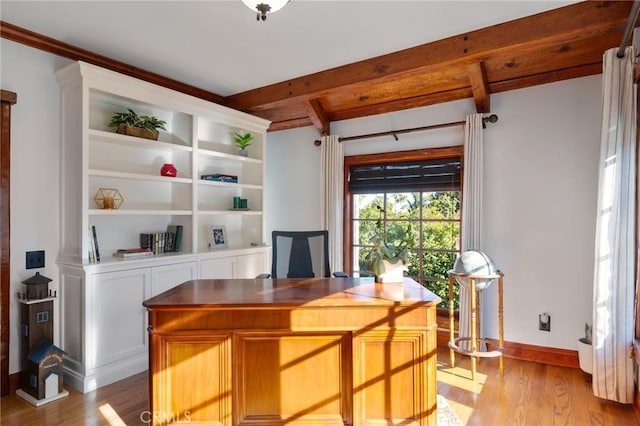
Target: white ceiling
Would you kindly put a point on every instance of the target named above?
(218, 45)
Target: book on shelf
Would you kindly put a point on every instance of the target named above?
(94, 238)
(162, 242)
(133, 252)
(92, 250)
(176, 230)
(220, 178)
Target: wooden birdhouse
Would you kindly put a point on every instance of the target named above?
(42, 377)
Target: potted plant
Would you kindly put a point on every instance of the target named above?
(132, 124)
(388, 259)
(242, 141)
(585, 351)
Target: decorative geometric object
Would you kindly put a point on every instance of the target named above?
(474, 262)
(108, 199)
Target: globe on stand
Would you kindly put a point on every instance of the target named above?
(474, 262)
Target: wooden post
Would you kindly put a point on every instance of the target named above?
(474, 331)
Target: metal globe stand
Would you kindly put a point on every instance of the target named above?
(475, 338)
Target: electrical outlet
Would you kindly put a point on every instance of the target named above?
(35, 259)
(544, 322)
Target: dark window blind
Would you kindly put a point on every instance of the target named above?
(442, 174)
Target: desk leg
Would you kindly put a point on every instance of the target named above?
(474, 335)
(452, 336)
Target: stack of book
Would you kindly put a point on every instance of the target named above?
(162, 242)
(133, 252)
(220, 178)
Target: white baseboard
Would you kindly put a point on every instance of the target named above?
(38, 402)
(107, 374)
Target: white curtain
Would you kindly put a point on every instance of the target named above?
(332, 171)
(472, 223)
(613, 288)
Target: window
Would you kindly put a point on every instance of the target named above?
(42, 316)
(419, 191)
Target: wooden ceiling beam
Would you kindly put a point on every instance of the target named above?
(479, 86)
(589, 17)
(465, 93)
(318, 116)
(545, 78)
(401, 104)
(294, 123)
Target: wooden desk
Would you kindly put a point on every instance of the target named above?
(331, 351)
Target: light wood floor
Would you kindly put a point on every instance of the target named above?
(528, 394)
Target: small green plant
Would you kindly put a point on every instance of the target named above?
(384, 250)
(132, 119)
(242, 141)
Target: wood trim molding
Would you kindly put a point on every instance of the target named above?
(525, 352)
(7, 100)
(14, 381)
(636, 407)
(57, 47)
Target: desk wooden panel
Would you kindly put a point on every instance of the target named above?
(326, 351)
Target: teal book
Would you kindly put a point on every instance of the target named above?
(176, 230)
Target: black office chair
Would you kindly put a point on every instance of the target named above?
(300, 254)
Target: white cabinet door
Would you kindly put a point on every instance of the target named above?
(117, 317)
(217, 268)
(166, 277)
(250, 265)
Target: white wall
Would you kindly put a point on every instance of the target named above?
(541, 200)
(293, 181)
(35, 151)
(540, 187)
(541, 181)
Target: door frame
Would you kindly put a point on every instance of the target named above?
(8, 99)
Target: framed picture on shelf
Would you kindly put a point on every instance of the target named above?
(218, 237)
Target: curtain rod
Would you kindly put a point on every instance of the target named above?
(491, 119)
(631, 23)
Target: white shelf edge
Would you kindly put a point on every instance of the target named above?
(126, 212)
(102, 136)
(233, 157)
(231, 212)
(138, 176)
(228, 184)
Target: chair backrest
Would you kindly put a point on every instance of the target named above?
(300, 254)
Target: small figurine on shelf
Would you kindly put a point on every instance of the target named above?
(168, 170)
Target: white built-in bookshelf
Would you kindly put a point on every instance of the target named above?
(198, 141)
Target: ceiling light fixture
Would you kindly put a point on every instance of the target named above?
(265, 6)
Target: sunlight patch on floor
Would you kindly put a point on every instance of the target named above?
(462, 411)
(460, 378)
(110, 415)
